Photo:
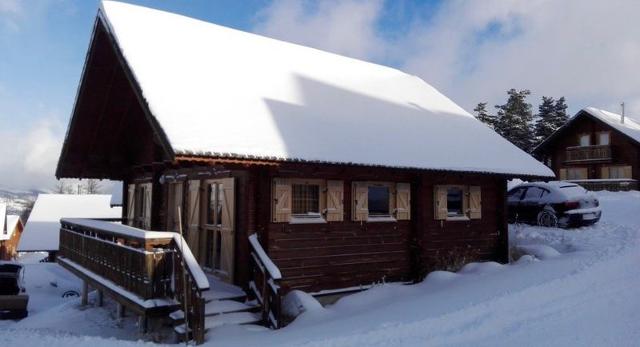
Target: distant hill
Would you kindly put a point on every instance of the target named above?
(18, 200)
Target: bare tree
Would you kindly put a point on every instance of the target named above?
(62, 188)
(93, 187)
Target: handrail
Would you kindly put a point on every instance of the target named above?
(265, 284)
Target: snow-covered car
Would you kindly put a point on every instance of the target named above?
(13, 297)
(550, 204)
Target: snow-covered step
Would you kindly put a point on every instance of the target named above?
(223, 294)
(215, 307)
(224, 319)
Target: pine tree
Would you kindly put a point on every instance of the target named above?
(484, 116)
(561, 117)
(515, 118)
(545, 123)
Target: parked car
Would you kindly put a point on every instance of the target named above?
(550, 204)
(13, 296)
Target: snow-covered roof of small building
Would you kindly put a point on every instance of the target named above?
(217, 91)
(41, 233)
(630, 127)
(116, 194)
(8, 223)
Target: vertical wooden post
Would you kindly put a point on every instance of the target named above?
(100, 299)
(85, 293)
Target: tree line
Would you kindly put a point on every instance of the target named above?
(516, 122)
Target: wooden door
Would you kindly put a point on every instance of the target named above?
(227, 229)
(219, 226)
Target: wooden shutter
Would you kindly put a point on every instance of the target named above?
(281, 206)
(563, 174)
(147, 205)
(335, 201)
(177, 202)
(193, 217)
(604, 172)
(403, 201)
(360, 193)
(440, 202)
(475, 202)
(626, 171)
(131, 204)
(228, 225)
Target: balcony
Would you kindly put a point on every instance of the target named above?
(581, 154)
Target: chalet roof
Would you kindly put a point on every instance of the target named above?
(630, 127)
(216, 91)
(41, 233)
(8, 223)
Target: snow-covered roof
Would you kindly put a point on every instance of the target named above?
(217, 91)
(41, 233)
(116, 194)
(8, 223)
(630, 127)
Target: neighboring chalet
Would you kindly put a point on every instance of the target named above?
(10, 231)
(292, 168)
(41, 232)
(596, 149)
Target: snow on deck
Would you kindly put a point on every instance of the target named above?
(276, 100)
(42, 231)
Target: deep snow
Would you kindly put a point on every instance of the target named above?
(580, 287)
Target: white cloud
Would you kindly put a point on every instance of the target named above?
(474, 51)
(10, 11)
(29, 157)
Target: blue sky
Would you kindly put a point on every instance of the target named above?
(472, 51)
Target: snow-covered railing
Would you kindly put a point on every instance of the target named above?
(265, 283)
(150, 264)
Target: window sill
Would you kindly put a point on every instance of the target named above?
(307, 220)
(375, 219)
(458, 219)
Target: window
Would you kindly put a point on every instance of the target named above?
(516, 194)
(215, 201)
(603, 138)
(585, 140)
(306, 199)
(454, 202)
(577, 174)
(175, 202)
(140, 202)
(619, 172)
(533, 193)
(378, 200)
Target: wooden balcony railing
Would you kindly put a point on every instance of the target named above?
(588, 153)
(147, 263)
(265, 283)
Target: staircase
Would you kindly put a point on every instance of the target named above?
(224, 304)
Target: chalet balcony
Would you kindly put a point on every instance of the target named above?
(580, 154)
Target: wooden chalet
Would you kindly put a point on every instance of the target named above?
(597, 149)
(11, 228)
(284, 167)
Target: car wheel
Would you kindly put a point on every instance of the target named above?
(547, 219)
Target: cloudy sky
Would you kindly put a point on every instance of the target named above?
(472, 51)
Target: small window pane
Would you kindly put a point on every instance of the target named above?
(306, 199)
(585, 140)
(454, 201)
(211, 203)
(140, 203)
(219, 204)
(378, 201)
(603, 139)
(516, 194)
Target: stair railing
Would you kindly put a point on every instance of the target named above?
(265, 283)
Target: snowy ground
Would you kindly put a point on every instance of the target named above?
(580, 289)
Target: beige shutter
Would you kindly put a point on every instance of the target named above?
(604, 172)
(193, 216)
(584, 173)
(281, 207)
(440, 202)
(627, 173)
(360, 194)
(228, 222)
(563, 174)
(131, 204)
(147, 205)
(475, 202)
(403, 201)
(335, 201)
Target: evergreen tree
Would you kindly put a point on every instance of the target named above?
(515, 118)
(561, 116)
(545, 123)
(484, 116)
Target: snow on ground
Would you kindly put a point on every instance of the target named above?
(574, 288)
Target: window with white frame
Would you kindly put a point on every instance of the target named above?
(380, 201)
(457, 202)
(603, 138)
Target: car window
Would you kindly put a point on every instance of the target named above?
(516, 194)
(533, 193)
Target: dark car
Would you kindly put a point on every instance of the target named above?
(551, 204)
(13, 297)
